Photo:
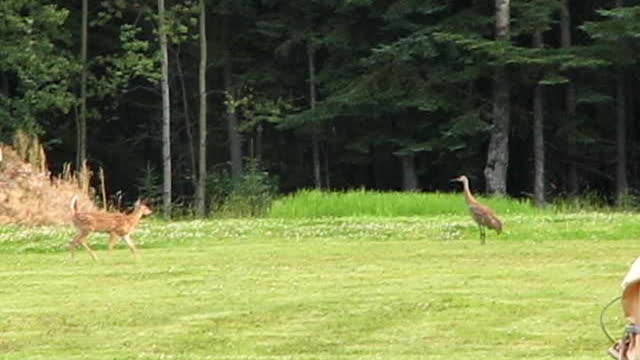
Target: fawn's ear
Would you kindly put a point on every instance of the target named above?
(137, 203)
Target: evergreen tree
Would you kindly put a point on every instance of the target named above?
(36, 70)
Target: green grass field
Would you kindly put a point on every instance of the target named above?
(380, 287)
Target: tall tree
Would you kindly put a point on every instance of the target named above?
(535, 17)
(187, 121)
(303, 31)
(231, 115)
(495, 171)
(202, 119)
(166, 112)
(617, 42)
(538, 134)
(622, 187)
(621, 131)
(315, 146)
(81, 151)
(403, 87)
(409, 175)
(393, 102)
(570, 103)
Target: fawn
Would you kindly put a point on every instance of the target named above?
(116, 224)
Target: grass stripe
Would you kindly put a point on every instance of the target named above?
(312, 203)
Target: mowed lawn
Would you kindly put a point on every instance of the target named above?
(329, 288)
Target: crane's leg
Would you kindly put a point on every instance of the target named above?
(482, 234)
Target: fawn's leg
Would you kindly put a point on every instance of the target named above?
(113, 239)
(74, 242)
(82, 239)
(130, 244)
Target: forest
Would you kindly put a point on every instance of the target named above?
(180, 101)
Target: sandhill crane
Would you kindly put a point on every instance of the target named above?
(482, 215)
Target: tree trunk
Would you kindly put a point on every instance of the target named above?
(315, 147)
(202, 119)
(538, 136)
(409, 176)
(235, 141)
(621, 133)
(315, 143)
(327, 177)
(572, 151)
(570, 104)
(4, 85)
(259, 133)
(495, 171)
(187, 122)
(621, 138)
(166, 114)
(81, 151)
(632, 128)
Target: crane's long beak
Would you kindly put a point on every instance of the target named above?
(454, 180)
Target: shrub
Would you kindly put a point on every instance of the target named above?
(587, 201)
(149, 186)
(219, 186)
(249, 195)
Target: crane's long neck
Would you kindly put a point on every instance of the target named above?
(467, 193)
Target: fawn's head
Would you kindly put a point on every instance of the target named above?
(142, 207)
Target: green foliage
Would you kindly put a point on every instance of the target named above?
(553, 79)
(219, 186)
(620, 24)
(138, 59)
(587, 202)
(43, 71)
(248, 196)
(251, 196)
(182, 21)
(618, 35)
(394, 78)
(257, 110)
(534, 15)
(595, 201)
(149, 185)
(137, 56)
(593, 96)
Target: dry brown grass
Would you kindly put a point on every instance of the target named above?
(30, 195)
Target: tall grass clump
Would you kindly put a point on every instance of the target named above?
(30, 195)
(313, 203)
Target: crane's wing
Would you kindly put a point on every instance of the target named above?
(485, 216)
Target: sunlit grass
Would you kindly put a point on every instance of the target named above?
(319, 288)
(311, 203)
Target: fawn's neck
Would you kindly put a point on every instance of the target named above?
(135, 216)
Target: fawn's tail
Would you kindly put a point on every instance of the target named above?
(74, 204)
